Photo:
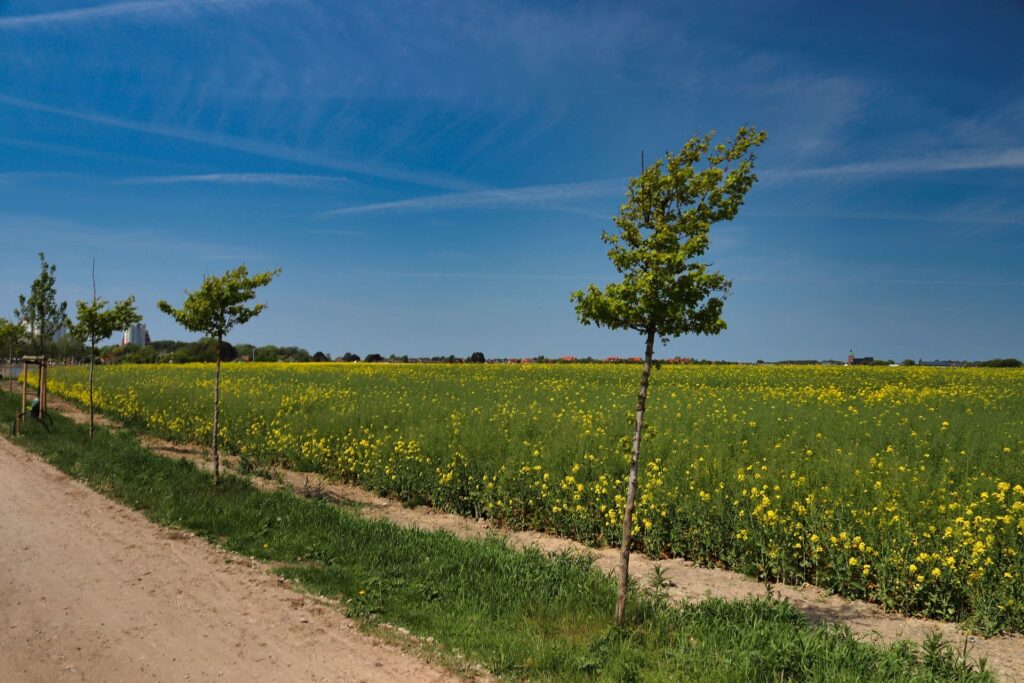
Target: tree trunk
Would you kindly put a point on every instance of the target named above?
(92, 363)
(216, 418)
(627, 518)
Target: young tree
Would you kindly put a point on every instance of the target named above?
(12, 335)
(666, 289)
(214, 309)
(95, 323)
(40, 310)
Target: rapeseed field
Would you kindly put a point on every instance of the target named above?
(898, 485)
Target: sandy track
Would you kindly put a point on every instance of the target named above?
(92, 591)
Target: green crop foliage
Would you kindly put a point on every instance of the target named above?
(898, 485)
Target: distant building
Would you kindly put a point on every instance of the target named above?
(866, 360)
(136, 335)
(55, 335)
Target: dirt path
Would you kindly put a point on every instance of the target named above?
(688, 582)
(92, 591)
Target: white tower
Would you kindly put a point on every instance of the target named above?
(136, 335)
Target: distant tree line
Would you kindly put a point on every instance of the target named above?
(1000, 363)
(992, 363)
(349, 357)
(205, 351)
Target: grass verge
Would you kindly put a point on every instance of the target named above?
(522, 615)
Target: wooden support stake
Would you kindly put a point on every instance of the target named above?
(42, 388)
(24, 396)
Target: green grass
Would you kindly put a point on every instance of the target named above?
(522, 615)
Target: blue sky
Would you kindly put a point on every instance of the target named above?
(433, 177)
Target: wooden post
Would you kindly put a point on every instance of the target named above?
(42, 387)
(24, 396)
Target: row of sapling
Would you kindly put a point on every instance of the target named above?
(214, 309)
(39, 316)
(667, 289)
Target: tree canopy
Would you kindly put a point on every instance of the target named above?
(663, 231)
(94, 321)
(220, 302)
(12, 335)
(40, 310)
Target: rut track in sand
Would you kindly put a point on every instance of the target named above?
(1004, 654)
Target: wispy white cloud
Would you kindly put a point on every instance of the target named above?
(67, 150)
(15, 176)
(983, 215)
(818, 109)
(883, 281)
(249, 146)
(70, 232)
(471, 276)
(535, 195)
(161, 9)
(1002, 123)
(337, 233)
(957, 160)
(280, 179)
